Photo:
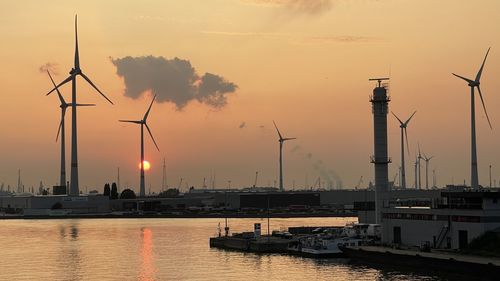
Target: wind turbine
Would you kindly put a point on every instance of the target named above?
(143, 122)
(427, 159)
(404, 134)
(75, 71)
(475, 84)
(64, 105)
(419, 157)
(416, 172)
(281, 140)
(434, 178)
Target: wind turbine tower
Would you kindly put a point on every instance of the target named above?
(380, 106)
(434, 178)
(75, 71)
(281, 140)
(490, 176)
(419, 158)
(404, 135)
(143, 123)
(416, 172)
(19, 187)
(427, 159)
(474, 181)
(62, 129)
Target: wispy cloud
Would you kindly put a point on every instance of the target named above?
(49, 66)
(148, 18)
(307, 7)
(245, 34)
(300, 39)
(340, 39)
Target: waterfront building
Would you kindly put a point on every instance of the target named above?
(451, 221)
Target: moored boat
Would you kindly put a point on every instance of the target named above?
(321, 246)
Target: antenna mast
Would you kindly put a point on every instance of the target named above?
(118, 180)
(164, 179)
(379, 80)
(255, 182)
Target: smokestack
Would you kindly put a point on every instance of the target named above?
(380, 105)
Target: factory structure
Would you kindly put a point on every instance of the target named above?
(448, 219)
(380, 105)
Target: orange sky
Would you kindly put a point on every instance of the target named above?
(304, 66)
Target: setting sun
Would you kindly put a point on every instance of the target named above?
(147, 165)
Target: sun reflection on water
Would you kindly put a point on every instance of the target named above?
(147, 270)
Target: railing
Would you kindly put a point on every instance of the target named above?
(460, 206)
(441, 236)
(387, 98)
(381, 160)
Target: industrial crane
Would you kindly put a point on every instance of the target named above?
(360, 182)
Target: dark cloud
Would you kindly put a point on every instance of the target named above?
(172, 80)
(49, 66)
(212, 90)
(242, 125)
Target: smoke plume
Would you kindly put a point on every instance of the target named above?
(172, 80)
(327, 175)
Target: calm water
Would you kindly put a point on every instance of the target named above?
(160, 249)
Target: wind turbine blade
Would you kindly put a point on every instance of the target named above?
(279, 134)
(60, 84)
(285, 139)
(131, 121)
(466, 79)
(478, 76)
(77, 56)
(408, 121)
(85, 104)
(147, 112)
(59, 129)
(484, 106)
(58, 93)
(407, 145)
(397, 118)
(95, 87)
(149, 131)
(63, 102)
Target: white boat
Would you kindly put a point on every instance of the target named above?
(363, 231)
(321, 246)
(325, 244)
